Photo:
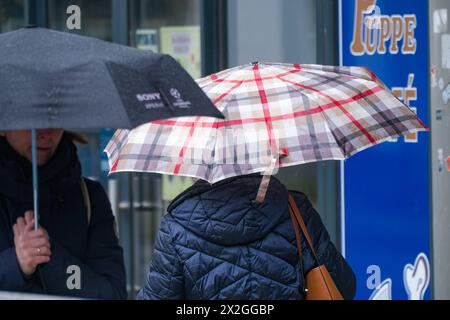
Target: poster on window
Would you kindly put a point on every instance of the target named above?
(183, 43)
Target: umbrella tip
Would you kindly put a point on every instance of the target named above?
(255, 62)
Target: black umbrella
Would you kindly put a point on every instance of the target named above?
(51, 79)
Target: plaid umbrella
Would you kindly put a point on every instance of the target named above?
(276, 115)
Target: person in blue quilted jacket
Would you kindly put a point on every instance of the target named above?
(216, 243)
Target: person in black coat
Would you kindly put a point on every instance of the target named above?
(216, 243)
(76, 251)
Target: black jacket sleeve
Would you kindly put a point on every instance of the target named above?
(102, 271)
(11, 276)
(327, 253)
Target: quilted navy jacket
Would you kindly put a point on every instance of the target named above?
(214, 243)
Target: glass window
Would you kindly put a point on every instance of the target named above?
(95, 19)
(298, 32)
(12, 15)
(171, 27)
(168, 26)
(303, 178)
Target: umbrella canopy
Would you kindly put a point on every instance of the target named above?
(52, 79)
(294, 113)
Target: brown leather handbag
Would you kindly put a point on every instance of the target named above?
(319, 284)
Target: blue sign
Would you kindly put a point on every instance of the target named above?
(386, 213)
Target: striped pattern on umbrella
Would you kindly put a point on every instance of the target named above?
(304, 112)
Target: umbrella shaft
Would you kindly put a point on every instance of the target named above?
(35, 178)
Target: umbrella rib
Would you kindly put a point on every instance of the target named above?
(218, 80)
(374, 106)
(176, 170)
(228, 92)
(217, 122)
(267, 116)
(115, 146)
(193, 126)
(336, 104)
(357, 91)
(317, 109)
(340, 75)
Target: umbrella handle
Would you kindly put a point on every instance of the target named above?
(263, 186)
(262, 189)
(35, 178)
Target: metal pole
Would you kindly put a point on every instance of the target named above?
(130, 234)
(120, 21)
(30, 12)
(214, 35)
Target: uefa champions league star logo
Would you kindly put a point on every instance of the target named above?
(180, 103)
(175, 93)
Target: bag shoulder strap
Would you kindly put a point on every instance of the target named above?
(297, 234)
(86, 199)
(299, 247)
(296, 213)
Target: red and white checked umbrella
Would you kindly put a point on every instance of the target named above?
(291, 112)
